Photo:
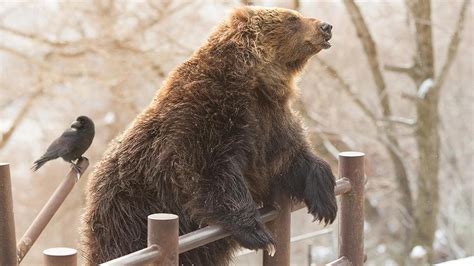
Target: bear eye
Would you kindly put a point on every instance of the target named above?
(293, 23)
(293, 19)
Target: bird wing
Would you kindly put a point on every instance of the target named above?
(62, 145)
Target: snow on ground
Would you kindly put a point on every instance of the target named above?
(469, 261)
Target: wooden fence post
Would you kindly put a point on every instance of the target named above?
(351, 238)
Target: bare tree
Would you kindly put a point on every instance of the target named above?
(422, 213)
(428, 87)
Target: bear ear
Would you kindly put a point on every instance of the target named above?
(242, 15)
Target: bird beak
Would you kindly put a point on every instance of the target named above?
(76, 125)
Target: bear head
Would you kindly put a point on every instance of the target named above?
(279, 36)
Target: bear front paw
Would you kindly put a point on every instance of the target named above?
(319, 193)
(255, 238)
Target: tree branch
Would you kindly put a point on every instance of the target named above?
(424, 59)
(296, 5)
(33, 37)
(453, 46)
(399, 69)
(400, 120)
(5, 137)
(27, 58)
(246, 2)
(328, 146)
(40, 63)
(411, 71)
(391, 145)
(371, 52)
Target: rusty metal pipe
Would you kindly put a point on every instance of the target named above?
(280, 228)
(342, 261)
(144, 256)
(351, 236)
(48, 210)
(343, 185)
(7, 224)
(163, 231)
(212, 233)
(60, 257)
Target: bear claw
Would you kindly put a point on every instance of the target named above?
(256, 238)
(319, 194)
(271, 250)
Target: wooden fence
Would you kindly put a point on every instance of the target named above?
(164, 242)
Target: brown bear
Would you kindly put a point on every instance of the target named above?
(218, 138)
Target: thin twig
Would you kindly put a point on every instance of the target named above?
(5, 137)
(33, 37)
(411, 71)
(400, 120)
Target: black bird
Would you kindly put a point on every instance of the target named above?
(71, 144)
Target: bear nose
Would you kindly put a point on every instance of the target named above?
(326, 27)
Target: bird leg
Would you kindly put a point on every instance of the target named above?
(76, 168)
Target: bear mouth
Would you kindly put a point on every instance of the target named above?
(325, 44)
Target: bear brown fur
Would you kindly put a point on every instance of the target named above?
(218, 138)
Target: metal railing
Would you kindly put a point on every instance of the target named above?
(7, 224)
(10, 252)
(166, 244)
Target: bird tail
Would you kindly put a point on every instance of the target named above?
(38, 163)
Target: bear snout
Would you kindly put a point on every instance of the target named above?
(326, 31)
(325, 28)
